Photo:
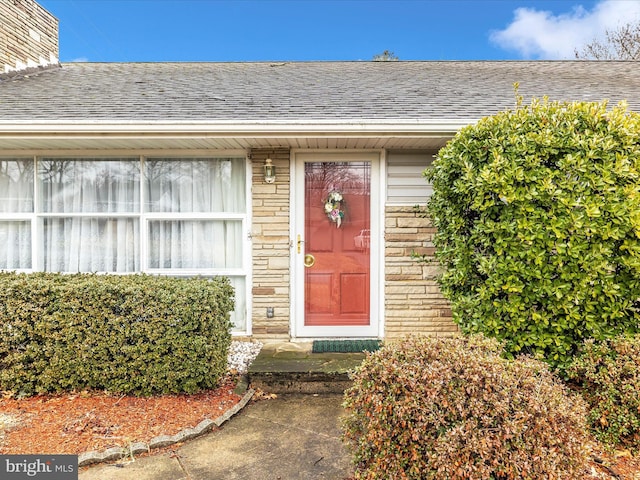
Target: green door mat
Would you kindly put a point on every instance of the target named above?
(345, 346)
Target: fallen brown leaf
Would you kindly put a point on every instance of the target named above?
(76, 423)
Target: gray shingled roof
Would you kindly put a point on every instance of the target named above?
(305, 91)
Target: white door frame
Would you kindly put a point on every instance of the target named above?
(376, 326)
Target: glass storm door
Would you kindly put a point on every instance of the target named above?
(337, 253)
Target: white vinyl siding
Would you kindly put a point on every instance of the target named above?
(405, 183)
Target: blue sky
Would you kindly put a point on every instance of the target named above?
(297, 30)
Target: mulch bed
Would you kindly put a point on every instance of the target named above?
(89, 421)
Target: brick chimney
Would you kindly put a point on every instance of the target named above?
(28, 36)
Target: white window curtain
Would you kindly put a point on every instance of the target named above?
(16, 236)
(187, 188)
(191, 186)
(93, 215)
(80, 235)
(195, 244)
(16, 197)
(195, 185)
(79, 244)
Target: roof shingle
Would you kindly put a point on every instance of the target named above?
(305, 91)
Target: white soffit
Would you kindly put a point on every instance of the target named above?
(219, 135)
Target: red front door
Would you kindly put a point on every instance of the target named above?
(337, 243)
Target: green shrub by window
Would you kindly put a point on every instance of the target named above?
(608, 375)
(134, 334)
(537, 212)
(453, 409)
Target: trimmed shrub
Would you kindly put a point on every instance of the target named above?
(134, 334)
(537, 212)
(608, 375)
(451, 409)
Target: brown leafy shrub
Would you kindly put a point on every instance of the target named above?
(608, 375)
(434, 408)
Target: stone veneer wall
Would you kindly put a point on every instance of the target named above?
(271, 247)
(413, 302)
(28, 36)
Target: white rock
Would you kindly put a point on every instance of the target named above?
(241, 355)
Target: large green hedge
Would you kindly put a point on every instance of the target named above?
(134, 334)
(538, 218)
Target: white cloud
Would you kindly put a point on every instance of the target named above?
(543, 35)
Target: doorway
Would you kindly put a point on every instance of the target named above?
(336, 245)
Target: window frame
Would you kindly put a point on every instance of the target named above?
(37, 215)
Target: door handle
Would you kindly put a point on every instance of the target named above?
(309, 260)
(300, 242)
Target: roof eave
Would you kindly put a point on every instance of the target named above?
(237, 129)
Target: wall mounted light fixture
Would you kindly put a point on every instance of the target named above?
(269, 171)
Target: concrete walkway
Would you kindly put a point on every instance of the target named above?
(294, 436)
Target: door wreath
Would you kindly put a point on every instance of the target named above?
(334, 208)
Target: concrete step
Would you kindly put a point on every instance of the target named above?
(300, 371)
